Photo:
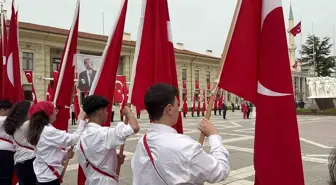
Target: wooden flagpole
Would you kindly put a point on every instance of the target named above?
(78, 98)
(121, 150)
(223, 57)
(66, 164)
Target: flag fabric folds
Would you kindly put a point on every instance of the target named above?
(104, 82)
(259, 40)
(296, 30)
(64, 83)
(154, 60)
(12, 77)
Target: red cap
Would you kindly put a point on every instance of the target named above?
(45, 106)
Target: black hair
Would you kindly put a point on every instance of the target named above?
(5, 104)
(36, 126)
(332, 167)
(17, 116)
(93, 103)
(157, 97)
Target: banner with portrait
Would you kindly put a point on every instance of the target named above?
(87, 67)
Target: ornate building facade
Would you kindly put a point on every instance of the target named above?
(41, 49)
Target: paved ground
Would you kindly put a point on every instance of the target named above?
(317, 139)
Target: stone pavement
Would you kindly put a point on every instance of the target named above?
(316, 135)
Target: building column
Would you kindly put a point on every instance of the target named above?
(303, 81)
(42, 65)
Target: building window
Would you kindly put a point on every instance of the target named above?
(56, 64)
(184, 74)
(28, 95)
(121, 67)
(208, 77)
(28, 61)
(229, 96)
(197, 75)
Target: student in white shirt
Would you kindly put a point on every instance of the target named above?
(16, 125)
(49, 141)
(163, 156)
(96, 149)
(6, 147)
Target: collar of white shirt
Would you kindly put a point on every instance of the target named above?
(92, 124)
(161, 128)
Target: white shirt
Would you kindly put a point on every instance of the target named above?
(88, 72)
(179, 159)
(99, 145)
(48, 150)
(4, 145)
(20, 136)
(72, 108)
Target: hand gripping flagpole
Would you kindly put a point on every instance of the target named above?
(121, 150)
(219, 72)
(66, 164)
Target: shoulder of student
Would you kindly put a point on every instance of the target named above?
(179, 143)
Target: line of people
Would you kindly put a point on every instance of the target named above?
(36, 151)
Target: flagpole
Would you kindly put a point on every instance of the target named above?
(220, 67)
(103, 17)
(334, 47)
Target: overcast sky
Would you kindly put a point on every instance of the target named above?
(199, 24)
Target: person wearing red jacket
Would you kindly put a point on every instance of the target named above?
(245, 109)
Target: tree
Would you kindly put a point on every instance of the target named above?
(320, 58)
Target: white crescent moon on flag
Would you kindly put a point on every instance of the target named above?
(33, 96)
(10, 69)
(267, 92)
(268, 7)
(28, 74)
(119, 82)
(122, 98)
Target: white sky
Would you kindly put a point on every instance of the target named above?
(199, 24)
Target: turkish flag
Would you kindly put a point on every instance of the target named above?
(259, 40)
(216, 100)
(120, 88)
(50, 93)
(3, 57)
(29, 76)
(104, 82)
(185, 106)
(154, 57)
(64, 82)
(196, 84)
(220, 102)
(12, 81)
(184, 84)
(296, 30)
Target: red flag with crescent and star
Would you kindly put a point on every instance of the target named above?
(259, 40)
(120, 88)
(104, 81)
(296, 30)
(12, 81)
(64, 83)
(29, 76)
(154, 60)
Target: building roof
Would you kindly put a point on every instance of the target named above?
(84, 35)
